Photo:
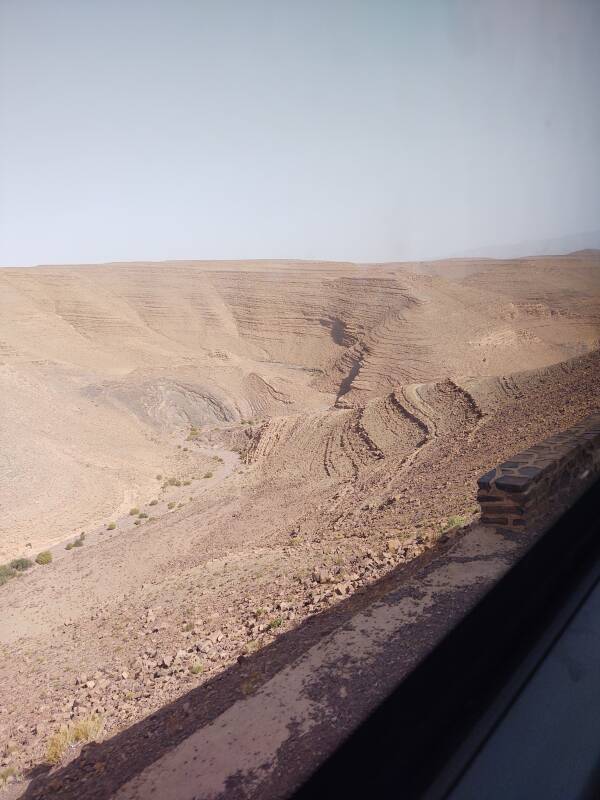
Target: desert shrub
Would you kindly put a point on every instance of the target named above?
(111, 526)
(453, 521)
(196, 668)
(57, 746)
(133, 512)
(6, 773)
(21, 564)
(153, 502)
(171, 505)
(207, 475)
(45, 557)
(6, 573)
(275, 623)
(78, 543)
(174, 482)
(159, 477)
(69, 546)
(84, 730)
(142, 515)
(187, 483)
(180, 505)
(138, 522)
(82, 535)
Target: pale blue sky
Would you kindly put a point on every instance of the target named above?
(329, 129)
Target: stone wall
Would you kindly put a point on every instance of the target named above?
(537, 485)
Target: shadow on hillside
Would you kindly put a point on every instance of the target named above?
(102, 767)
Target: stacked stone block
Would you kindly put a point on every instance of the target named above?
(532, 488)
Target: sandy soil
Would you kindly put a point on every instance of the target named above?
(341, 415)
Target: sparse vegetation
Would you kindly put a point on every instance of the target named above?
(16, 567)
(6, 573)
(6, 773)
(69, 546)
(207, 475)
(153, 502)
(138, 522)
(196, 668)
(45, 557)
(251, 684)
(142, 515)
(133, 512)
(111, 526)
(275, 623)
(84, 730)
(453, 521)
(21, 564)
(187, 483)
(171, 505)
(78, 543)
(193, 434)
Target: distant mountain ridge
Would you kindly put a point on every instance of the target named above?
(580, 243)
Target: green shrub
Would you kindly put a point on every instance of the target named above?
(6, 573)
(196, 668)
(45, 557)
(453, 522)
(21, 564)
(111, 526)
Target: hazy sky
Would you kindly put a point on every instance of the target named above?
(334, 129)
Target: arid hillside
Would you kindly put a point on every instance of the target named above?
(281, 432)
(102, 366)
